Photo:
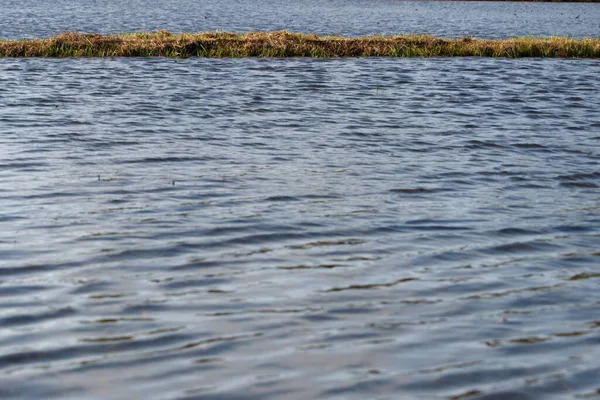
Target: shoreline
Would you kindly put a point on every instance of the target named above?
(283, 44)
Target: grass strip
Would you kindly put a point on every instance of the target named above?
(284, 44)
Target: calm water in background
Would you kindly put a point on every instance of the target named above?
(345, 229)
(43, 18)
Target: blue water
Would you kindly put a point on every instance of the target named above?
(298, 228)
(43, 18)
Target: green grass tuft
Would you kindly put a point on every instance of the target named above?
(285, 44)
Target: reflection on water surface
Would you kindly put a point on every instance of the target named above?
(239, 228)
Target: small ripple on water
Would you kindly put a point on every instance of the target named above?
(408, 239)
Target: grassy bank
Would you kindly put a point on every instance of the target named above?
(284, 44)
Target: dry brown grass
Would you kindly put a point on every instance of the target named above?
(285, 44)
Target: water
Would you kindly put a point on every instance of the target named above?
(340, 229)
(43, 18)
(299, 228)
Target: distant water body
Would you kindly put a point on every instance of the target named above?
(297, 228)
(33, 18)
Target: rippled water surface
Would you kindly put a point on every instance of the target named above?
(43, 18)
(345, 229)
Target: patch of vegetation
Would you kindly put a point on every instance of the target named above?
(285, 44)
